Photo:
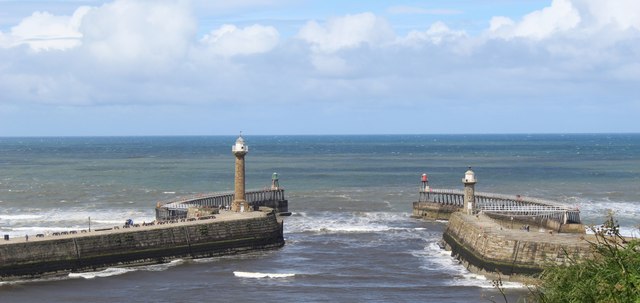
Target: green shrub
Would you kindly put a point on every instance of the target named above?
(612, 275)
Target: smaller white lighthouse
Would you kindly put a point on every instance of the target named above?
(239, 150)
(469, 182)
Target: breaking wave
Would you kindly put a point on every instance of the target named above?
(435, 258)
(19, 217)
(57, 219)
(109, 272)
(259, 275)
(352, 222)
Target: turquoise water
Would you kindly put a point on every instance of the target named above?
(350, 238)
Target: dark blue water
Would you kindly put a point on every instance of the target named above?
(350, 238)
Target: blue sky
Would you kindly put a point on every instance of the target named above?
(84, 67)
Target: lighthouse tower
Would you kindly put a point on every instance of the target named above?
(469, 182)
(239, 150)
(425, 183)
(275, 185)
(424, 189)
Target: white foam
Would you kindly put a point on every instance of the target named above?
(59, 219)
(471, 279)
(39, 229)
(19, 217)
(169, 192)
(356, 229)
(259, 275)
(47, 279)
(356, 222)
(107, 221)
(162, 266)
(435, 258)
(631, 232)
(600, 207)
(112, 271)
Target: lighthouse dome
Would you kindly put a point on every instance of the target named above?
(240, 146)
(470, 176)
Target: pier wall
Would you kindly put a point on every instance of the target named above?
(488, 250)
(137, 247)
(433, 211)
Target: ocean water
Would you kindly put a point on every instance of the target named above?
(350, 238)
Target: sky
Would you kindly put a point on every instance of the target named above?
(270, 67)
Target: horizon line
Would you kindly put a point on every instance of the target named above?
(320, 135)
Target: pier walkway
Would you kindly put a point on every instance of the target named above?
(74, 234)
(486, 246)
(512, 206)
(177, 208)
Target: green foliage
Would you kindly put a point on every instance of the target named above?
(612, 275)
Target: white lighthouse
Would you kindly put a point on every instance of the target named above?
(469, 182)
(240, 149)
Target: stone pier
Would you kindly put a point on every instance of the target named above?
(486, 247)
(54, 255)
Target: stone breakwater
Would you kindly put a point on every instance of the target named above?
(488, 248)
(226, 234)
(433, 210)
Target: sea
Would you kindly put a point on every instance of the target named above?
(350, 238)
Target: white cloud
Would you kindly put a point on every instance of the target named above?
(146, 32)
(229, 40)
(229, 6)
(347, 32)
(405, 9)
(499, 22)
(583, 18)
(560, 16)
(144, 53)
(437, 33)
(44, 31)
(621, 14)
(330, 64)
